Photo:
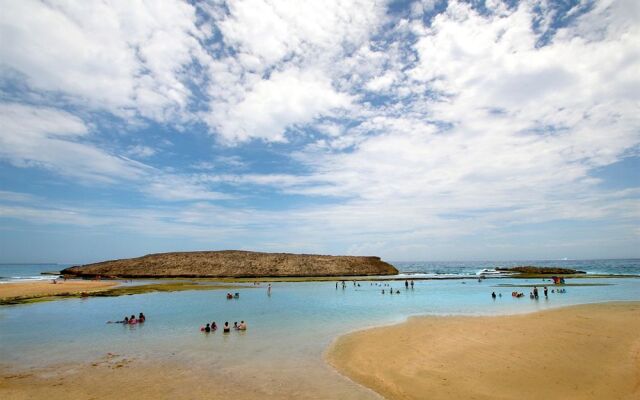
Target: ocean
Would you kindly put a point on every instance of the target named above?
(435, 269)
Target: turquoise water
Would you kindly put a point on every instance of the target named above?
(297, 322)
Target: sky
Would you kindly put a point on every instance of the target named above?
(411, 130)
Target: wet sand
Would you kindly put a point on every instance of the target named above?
(122, 377)
(47, 288)
(578, 352)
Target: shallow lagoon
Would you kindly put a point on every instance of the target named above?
(298, 320)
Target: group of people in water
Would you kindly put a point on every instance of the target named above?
(130, 320)
(233, 296)
(534, 295)
(390, 290)
(212, 327)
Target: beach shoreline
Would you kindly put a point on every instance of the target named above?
(33, 292)
(546, 364)
(586, 351)
(18, 292)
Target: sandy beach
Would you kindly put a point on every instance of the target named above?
(47, 288)
(118, 376)
(578, 352)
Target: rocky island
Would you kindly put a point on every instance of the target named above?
(233, 264)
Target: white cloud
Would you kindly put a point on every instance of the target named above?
(32, 136)
(49, 138)
(181, 188)
(273, 30)
(287, 65)
(467, 126)
(140, 151)
(524, 127)
(120, 56)
(382, 82)
(272, 105)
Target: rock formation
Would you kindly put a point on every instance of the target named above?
(530, 269)
(234, 263)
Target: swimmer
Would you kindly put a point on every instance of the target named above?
(124, 321)
(235, 325)
(141, 317)
(214, 326)
(133, 320)
(207, 328)
(242, 326)
(226, 328)
(493, 295)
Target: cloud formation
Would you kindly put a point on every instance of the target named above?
(357, 125)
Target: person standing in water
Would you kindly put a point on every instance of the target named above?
(406, 284)
(412, 285)
(269, 290)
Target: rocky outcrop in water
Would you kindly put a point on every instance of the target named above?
(530, 269)
(234, 263)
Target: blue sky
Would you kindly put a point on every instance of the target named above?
(425, 130)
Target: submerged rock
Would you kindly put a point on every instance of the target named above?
(234, 263)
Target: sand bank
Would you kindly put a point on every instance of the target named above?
(32, 292)
(123, 377)
(579, 352)
(46, 288)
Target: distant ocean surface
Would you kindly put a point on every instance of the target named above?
(457, 268)
(28, 272)
(437, 269)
